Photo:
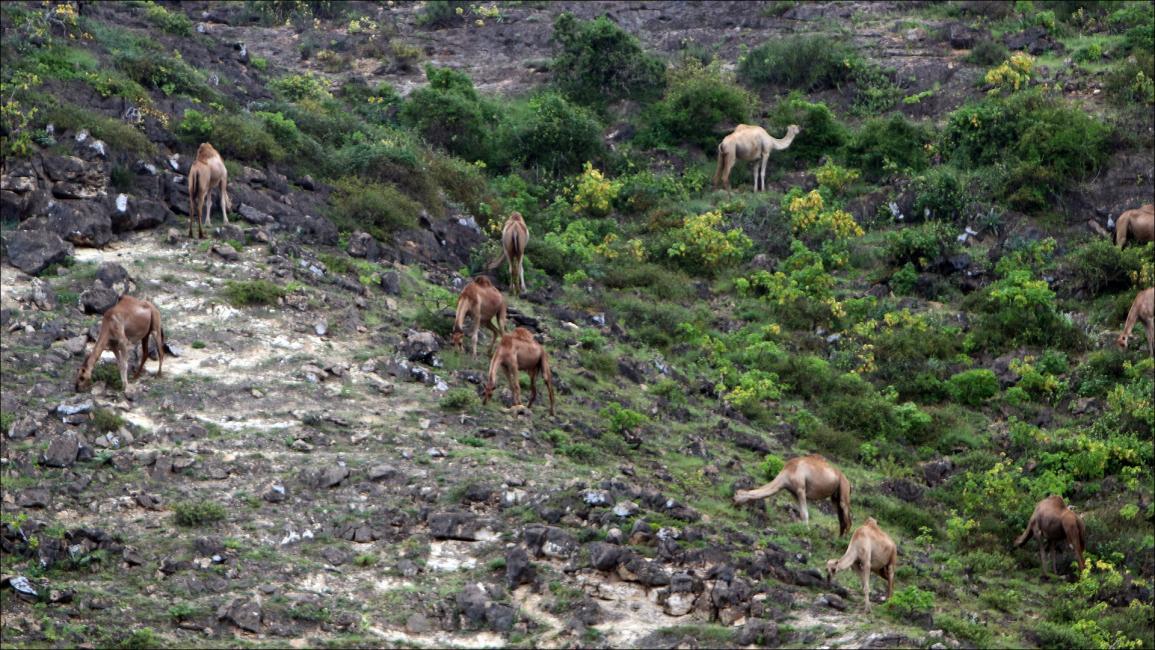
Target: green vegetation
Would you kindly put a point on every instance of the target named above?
(253, 292)
(106, 421)
(198, 513)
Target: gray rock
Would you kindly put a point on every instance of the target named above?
(550, 541)
(23, 588)
(420, 347)
(362, 244)
(518, 569)
(83, 223)
(226, 252)
(33, 498)
(244, 613)
(113, 276)
(62, 450)
(391, 283)
(462, 526)
(275, 494)
(32, 251)
(23, 427)
(332, 476)
(253, 215)
(382, 473)
(418, 623)
(42, 295)
(140, 214)
(606, 557)
(759, 632)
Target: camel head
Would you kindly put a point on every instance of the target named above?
(487, 392)
(794, 129)
(1122, 341)
(456, 339)
(831, 569)
(83, 378)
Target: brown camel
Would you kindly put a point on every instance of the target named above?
(483, 301)
(1142, 309)
(1139, 224)
(207, 172)
(870, 550)
(1053, 523)
(808, 477)
(749, 142)
(518, 351)
(122, 326)
(514, 238)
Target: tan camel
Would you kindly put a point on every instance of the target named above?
(122, 326)
(207, 172)
(870, 550)
(750, 143)
(1053, 523)
(808, 477)
(514, 238)
(1138, 223)
(1142, 309)
(518, 351)
(483, 301)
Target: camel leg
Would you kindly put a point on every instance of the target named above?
(512, 276)
(476, 326)
(521, 272)
(514, 384)
(864, 562)
(159, 334)
(762, 172)
(120, 350)
(1043, 556)
(496, 335)
(224, 201)
(802, 507)
(889, 580)
(143, 356)
(208, 209)
(532, 386)
(768, 490)
(1150, 327)
(726, 171)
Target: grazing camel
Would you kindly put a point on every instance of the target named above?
(208, 171)
(808, 477)
(1142, 309)
(1053, 523)
(1138, 223)
(123, 325)
(750, 143)
(518, 351)
(870, 550)
(514, 238)
(483, 301)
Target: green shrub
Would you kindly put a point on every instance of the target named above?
(822, 134)
(195, 127)
(297, 87)
(805, 63)
(1099, 266)
(1019, 310)
(622, 419)
(166, 73)
(173, 22)
(652, 322)
(658, 281)
(886, 146)
(439, 14)
(464, 183)
(118, 135)
(920, 245)
(556, 137)
(910, 601)
(942, 193)
(6, 420)
(243, 137)
(987, 53)
(973, 387)
(106, 421)
(704, 246)
(578, 452)
(459, 399)
(599, 63)
(198, 513)
(698, 99)
(245, 293)
(377, 208)
(449, 114)
(902, 282)
(1100, 371)
(770, 466)
(278, 12)
(141, 639)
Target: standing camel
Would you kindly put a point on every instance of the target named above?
(518, 351)
(870, 550)
(1053, 523)
(207, 172)
(1142, 309)
(749, 142)
(1139, 224)
(483, 301)
(808, 477)
(514, 238)
(128, 321)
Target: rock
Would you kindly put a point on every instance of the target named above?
(98, 300)
(936, 472)
(418, 623)
(23, 427)
(382, 473)
(645, 572)
(254, 216)
(362, 244)
(113, 276)
(606, 557)
(83, 223)
(32, 251)
(332, 476)
(33, 498)
(461, 525)
(833, 601)
(679, 604)
(336, 556)
(42, 295)
(244, 613)
(391, 283)
(476, 602)
(518, 569)
(62, 450)
(759, 632)
(550, 541)
(23, 588)
(139, 214)
(275, 494)
(420, 347)
(226, 252)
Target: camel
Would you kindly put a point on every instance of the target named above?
(808, 477)
(514, 238)
(207, 172)
(1142, 309)
(1138, 223)
(870, 550)
(749, 142)
(1053, 523)
(518, 351)
(122, 326)
(483, 301)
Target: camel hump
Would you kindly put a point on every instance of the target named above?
(206, 151)
(870, 522)
(482, 281)
(523, 334)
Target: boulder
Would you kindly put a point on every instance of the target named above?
(84, 223)
(362, 244)
(32, 251)
(138, 214)
(244, 613)
(462, 526)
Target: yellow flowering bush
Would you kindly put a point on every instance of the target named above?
(1012, 74)
(809, 214)
(705, 244)
(835, 177)
(594, 194)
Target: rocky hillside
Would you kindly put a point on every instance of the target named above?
(926, 295)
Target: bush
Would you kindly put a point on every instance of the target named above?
(703, 246)
(198, 513)
(173, 22)
(106, 421)
(699, 98)
(973, 387)
(942, 193)
(459, 399)
(297, 87)
(910, 601)
(195, 127)
(770, 466)
(987, 53)
(253, 292)
(556, 137)
(805, 63)
(439, 14)
(377, 208)
(920, 245)
(1099, 266)
(167, 73)
(600, 63)
(1019, 310)
(822, 134)
(116, 134)
(654, 323)
(243, 137)
(657, 281)
(449, 114)
(622, 420)
(885, 146)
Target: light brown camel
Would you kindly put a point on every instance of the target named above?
(870, 550)
(808, 477)
(122, 326)
(207, 172)
(749, 142)
(483, 301)
(1053, 523)
(1142, 309)
(518, 351)
(1139, 224)
(514, 238)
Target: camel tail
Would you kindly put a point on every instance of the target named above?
(193, 192)
(1121, 227)
(1026, 536)
(496, 261)
(548, 377)
(843, 506)
(518, 245)
(721, 165)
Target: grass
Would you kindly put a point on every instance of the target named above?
(106, 421)
(249, 293)
(194, 514)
